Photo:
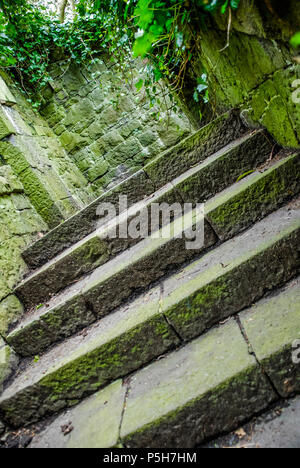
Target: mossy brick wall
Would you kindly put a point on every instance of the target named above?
(19, 224)
(54, 184)
(257, 71)
(105, 125)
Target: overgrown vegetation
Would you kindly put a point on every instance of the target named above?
(31, 33)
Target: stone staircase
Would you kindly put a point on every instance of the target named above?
(145, 343)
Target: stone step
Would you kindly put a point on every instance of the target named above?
(108, 286)
(272, 327)
(220, 284)
(135, 269)
(166, 167)
(196, 185)
(213, 384)
(174, 402)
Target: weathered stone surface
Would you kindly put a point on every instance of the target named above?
(139, 266)
(115, 346)
(194, 149)
(261, 193)
(174, 402)
(6, 128)
(83, 223)
(6, 96)
(11, 310)
(224, 168)
(8, 362)
(273, 327)
(58, 274)
(59, 318)
(139, 186)
(8, 182)
(276, 428)
(234, 275)
(266, 95)
(95, 422)
(106, 287)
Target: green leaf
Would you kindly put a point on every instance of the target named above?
(139, 84)
(295, 41)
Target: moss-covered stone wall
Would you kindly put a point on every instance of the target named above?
(257, 71)
(19, 224)
(108, 128)
(50, 179)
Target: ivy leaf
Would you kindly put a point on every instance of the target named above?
(295, 41)
(139, 84)
(224, 7)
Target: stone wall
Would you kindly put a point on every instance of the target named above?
(257, 71)
(108, 128)
(51, 180)
(19, 224)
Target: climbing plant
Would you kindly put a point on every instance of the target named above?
(33, 31)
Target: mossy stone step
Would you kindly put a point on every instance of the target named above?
(115, 346)
(95, 422)
(273, 328)
(197, 147)
(107, 287)
(189, 152)
(112, 283)
(134, 335)
(234, 209)
(196, 185)
(206, 387)
(235, 274)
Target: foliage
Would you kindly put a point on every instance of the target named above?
(295, 41)
(30, 37)
(157, 30)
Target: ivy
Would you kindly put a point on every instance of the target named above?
(158, 31)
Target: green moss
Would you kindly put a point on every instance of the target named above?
(259, 194)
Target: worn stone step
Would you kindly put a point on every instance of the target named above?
(108, 286)
(235, 274)
(255, 197)
(196, 185)
(112, 283)
(174, 162)
(272, 327)
(175, 402)
(166, 405)
(209, 386)
(134, 335)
